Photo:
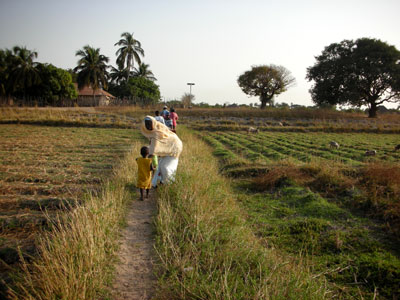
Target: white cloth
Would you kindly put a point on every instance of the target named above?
(157, 176)
(167, 167)
(163, 142)
(160, 119)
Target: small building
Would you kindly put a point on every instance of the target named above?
(88, 97)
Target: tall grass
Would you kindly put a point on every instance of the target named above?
(271, 112)
(75, 258)
(65, 117)
(206, 249)
(373, 187)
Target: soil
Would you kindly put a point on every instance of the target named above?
(134, 277)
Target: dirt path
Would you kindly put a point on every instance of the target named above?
(134, 277)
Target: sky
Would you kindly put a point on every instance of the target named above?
(206, 42)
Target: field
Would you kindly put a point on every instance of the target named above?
(267, 147)
(277, 214)
(336, 208)
(45, 171)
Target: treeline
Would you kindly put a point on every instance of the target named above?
(132, 85)
(32, 82)
(26, 82)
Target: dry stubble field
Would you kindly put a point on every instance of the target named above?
(43, 171)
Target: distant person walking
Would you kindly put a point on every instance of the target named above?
(164, 111)
(168, 121)
(174, 117)
(159, 118)
(166, 145)
(144, 172)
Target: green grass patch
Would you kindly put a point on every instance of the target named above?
(347, 249)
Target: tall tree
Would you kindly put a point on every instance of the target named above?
(3, 71)
(187, 100)
(118, 75)
(265, 81)
(56, 85)
(92, 68)
(143, 89)
(21, 69)
(357, 73)
(137, 90)
(130, 51)
(144, 71)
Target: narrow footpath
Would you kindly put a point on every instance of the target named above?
(134, 278)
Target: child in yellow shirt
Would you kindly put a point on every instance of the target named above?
(144, 172)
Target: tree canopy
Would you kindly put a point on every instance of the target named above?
(265, 81)
(3, 71)
(20, 68)
(144, 89)
(144, 71)
(33, 82)
(56, 84)
(187, 100)
(92, 68)
(356, 73)
(130, 51)
(137, 90)
(118, 75)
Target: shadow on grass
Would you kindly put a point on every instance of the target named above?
(131, 188)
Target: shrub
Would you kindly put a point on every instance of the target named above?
(279, 176)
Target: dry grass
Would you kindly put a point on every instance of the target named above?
(323, 176)
(49, 169)
(280, 175)
(76, 117)
(374, 187)
(271, 119)
(384, 176)
(297, 113)
(206, 249)
(75, 259)
(381, 183)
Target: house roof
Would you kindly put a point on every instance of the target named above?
(88, 91)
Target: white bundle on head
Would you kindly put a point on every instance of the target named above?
(163, 142)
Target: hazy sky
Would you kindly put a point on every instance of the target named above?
(206, 42)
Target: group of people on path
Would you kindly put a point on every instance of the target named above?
(159, 160)
(169, 118)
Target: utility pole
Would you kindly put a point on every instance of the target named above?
(190, 91)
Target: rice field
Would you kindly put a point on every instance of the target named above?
(44, 171)
(335, 208)
(267, 147)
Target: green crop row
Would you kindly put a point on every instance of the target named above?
(266, 147)
(247, 152)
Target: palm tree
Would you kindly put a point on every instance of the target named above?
(22, 72)
(130, 51)
(3, 72)
(144, 71)
(92, 68)
(118, 75)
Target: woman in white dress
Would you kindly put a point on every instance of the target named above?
(166, 145)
